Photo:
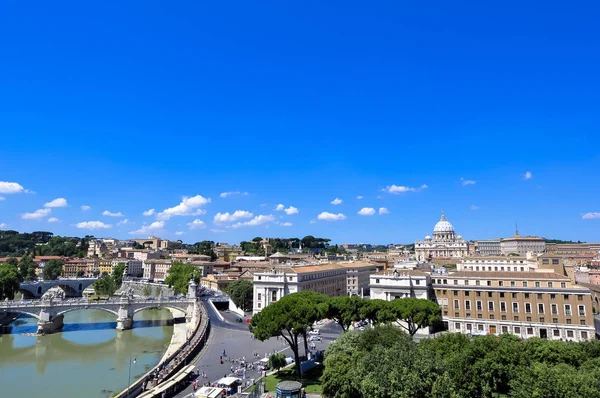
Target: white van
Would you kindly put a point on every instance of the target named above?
(314, 332)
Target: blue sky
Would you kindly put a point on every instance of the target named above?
(131, 107)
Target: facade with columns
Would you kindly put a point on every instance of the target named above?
(445, 243)
(332, 279)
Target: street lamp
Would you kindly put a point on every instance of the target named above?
(129, 377)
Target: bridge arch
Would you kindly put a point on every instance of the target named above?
(109, 310)
(32, 313)
(176, 311)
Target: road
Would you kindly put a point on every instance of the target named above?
(237, 341)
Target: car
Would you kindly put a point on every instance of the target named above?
(150, 298)
(315, 338)
(238, 319)
(314, 332)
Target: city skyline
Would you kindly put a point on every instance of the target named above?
(363, 123)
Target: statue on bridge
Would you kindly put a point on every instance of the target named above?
(130, 293)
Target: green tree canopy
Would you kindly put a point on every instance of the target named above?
(277, 361)
(179, 276)
(117, 274)
(290, 318)
(27, 268)
(414, 313)
(345, 310)
(241, 293)
(9, 280)
(53, 269)
(105, 285)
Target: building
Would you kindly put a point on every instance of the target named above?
(358, 278)
(397, 283)
(573, 249)
(205, 267)
(522, 245)
(74, 267)
(153, 242)
(157, 269)
(498, 263)
(41, 262)
(445, 243)
(488, 247)
(93, 267)
(105, 265)
(526, 304)
(133, 267)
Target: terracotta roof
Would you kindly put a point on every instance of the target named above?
(358, 264)
(507, 258)
(314, 268)
(506, 275)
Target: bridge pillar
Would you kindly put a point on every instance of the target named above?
(192, 289)
(125, 316)
(49, 322)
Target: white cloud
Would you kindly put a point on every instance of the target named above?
(109, 214)
(125, 222)
(527, 175)
(58, 202)
(85, 207)
(312, 222)
(149, 212)
(93, 225)
(187, 207)
(217, 231)
(258, 220)
(11, 187)
(146, 229)
(179, 233)
(286, 224)
(2, 198)
(226, 217)
(590, 216)
(397, 189)
(336, 201)
(36, 215)
(359, 197)
(196, 224)
(280, 207)
(53, 219)
(326, 216)
(473, 207)
(467, 182)
(291, 210)
(366, 211)
(231, 193)
(3, 225)
(383, 210)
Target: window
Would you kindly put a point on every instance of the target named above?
(444, 291)
(570, 333)
(260, 277)
(569, 322)
(530, 331)
(549, 284)
(467, 293)
(553, 297)
(537, 284)
(456, 305)
(554, 261)
(528, 308)
(457, 326)
(466, 282)
(502, 306)
(524, 284)
(503, 317)
(480, 327)
(526, 295)
(468, 305)
(568, 309)
(579, 297)
(479, 316)
(554, 309)
(517, 329)
(491, 316)
(456, 282)
(515, 307)
(489, 283)
(540, 308)
(566, 296)
(490, 305)
(479, 306)
(501, 295)
(445, 313)
(516, 317)
(504, 329)
(456, 315)
(478, 294)
(512, 283)
(489, 294)
(542, 319)
(556, 333)
(582, 310)
(469, 327)
(274, 295)
(456, 292)
(554, 320)
(528, 319)
(477, 282)
(445, 281)
(259, 296)
(584, 335)
(258, 305)
(500, 283)
(514, 295)
(582, 322)
(563, 285)
(546, 261)
(468, 315)
(376, 280)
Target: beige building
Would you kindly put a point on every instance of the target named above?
(498, 263)
(489, 247)
(526, 304)
(358, 278)
(156, 269)
(445, 243)
(153, 242)
(73, 267)
(522, 245)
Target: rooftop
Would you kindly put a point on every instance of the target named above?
(507, 275)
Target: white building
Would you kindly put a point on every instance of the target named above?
(133, 267)
(390, 285)
(498, 263)
(445, 243)
(522, 245)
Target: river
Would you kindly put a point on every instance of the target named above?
(88, 359)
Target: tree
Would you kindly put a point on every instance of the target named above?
(80, 274)
(290, 318)
(105, 286)
(277, 361)
(117, 274)
(53, 269)
(241, 293)
(179, 276)
(25, 265)
(9, 281)
(345, 310)
(147, 290)
(414, 313)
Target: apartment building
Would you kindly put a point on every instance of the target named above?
(156, 269)
(330, 279)
(73, 267)
(498, 263)
(133, 267)
(399, 283)
(526, 304)
(205, 267)
(489, 247)
(522, 245)
(358, 278)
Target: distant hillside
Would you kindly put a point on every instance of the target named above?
(41, 243)
(561, 241)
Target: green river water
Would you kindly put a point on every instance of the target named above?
(88, 359)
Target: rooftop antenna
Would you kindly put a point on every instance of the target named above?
(516, 229)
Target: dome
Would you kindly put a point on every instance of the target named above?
(428, 237)
(443, 226)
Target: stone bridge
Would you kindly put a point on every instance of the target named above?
(73, 287)
(50, 312)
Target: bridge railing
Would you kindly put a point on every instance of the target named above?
(85, 302)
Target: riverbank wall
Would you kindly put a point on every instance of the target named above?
(146, 289)
(168, 367)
